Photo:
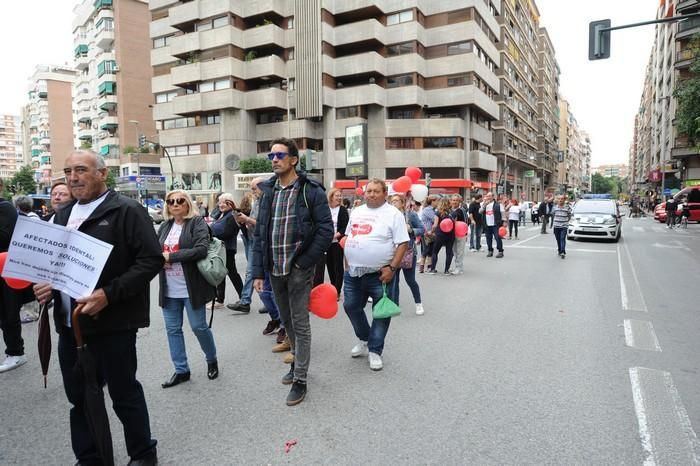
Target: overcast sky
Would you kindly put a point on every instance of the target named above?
(604, 95)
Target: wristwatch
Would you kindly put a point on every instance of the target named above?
(391, 267)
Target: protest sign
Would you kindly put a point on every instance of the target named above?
(41, 252)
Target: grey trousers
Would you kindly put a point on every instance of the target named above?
(458, 248)
(292, 297)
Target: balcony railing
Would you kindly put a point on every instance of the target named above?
(688, 24)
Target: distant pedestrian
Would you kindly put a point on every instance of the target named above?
(561, 214)
(24, 207)
(415, 228)
(493, 218)
(458, 214)
(444, 239)
(427, 216)
(226, 229)
(545, 211)
(671, 207)
(513, 218)
(476, 224)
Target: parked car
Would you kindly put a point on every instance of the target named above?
(692, 196)
(156, 215)
(595, 218)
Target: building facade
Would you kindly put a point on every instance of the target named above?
(229, 77)
(113, 98)
(10, 145)
(575, 153)
(48, 123)
(619, 170)
(547, 118)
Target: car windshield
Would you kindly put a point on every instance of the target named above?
(595, 207)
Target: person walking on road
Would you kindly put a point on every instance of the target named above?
(493, 218)
(476, 224)
(671, 208)
(545, 211)
(415, 228)
(184, 237)
(442, 238)
(427, 216)
(513, 218)
(294, 228)
(377, 241)
(226, 229)
(561, 214)
(112, 314)
(459, 214)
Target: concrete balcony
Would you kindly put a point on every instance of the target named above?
(479, 160)
(397, 158)
(354, 64)
(194, 135)
(82, 63)
(163, 111)
(265, 35)
(207, 101)
(104, 39)
(45, 141)
(463, 95)
(107, 102)
(283, 7)
(481, 134)
(109, 141)
(264, 66)
(158, 4)
(405, 95)
(162, 83)
(265, 98)
(161, 56)
(356, 95)
(683, 4)
(160, 27)
(298, 129)
(437, 127)
(108, 122)
(186, 13)
(688, 28)
(369, 29)
(85, 134)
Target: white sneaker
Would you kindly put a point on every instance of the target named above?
(375, 362)
(456, 272)
(370, 300)
(472, 250)
(12, 362)
(360, 349)
(419, 309)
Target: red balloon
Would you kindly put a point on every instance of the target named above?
(342, 241)
(414, 173)
(447, 225)
(359, 191)
(402, 185)
(13, 283)
(323, 301)
(502, 232)
(461, 229)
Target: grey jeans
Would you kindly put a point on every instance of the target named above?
(292, 297)
(458, 248)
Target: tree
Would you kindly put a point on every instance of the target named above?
(600, 184)
(687, 94)
(111, 182)
(23, 181)
(256, 165)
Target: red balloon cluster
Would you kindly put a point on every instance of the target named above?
(446, 225)
(323, 301)
(461, 229)
(359, 191)
(414, 173)
(14, 283)
(502, 232)
(402, 185)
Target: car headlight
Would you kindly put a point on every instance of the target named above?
(609, 221)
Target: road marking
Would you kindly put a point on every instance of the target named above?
(639, 334)
(524, 241)
(630, 290)
(639, 229)
(665, 430)
(553, 248)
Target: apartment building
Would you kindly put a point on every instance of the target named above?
(547, 118)
(10, 145)
(641, 157)
(113, 98)
(49, 122)
(619, 170)
(575, 147)
(516, 131)
(229, 77)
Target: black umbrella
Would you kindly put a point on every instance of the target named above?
(44, 340)
(94, 403)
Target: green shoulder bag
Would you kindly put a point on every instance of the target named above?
(385, 307)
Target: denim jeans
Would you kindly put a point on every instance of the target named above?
(247, 294)
(475, 236)
(492, 232)
(115, 355)
(458, 249)
(268, 299)
(410, 276)
(357, 290)
(173, 315)
(292, 297)
(560, 235)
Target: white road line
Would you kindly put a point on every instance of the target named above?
(639, 229)
(553, 248)
(665, 430)
(644, 307)
(524, 241)
(623, 288)
(639, 334)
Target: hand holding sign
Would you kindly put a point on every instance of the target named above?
(92, 304)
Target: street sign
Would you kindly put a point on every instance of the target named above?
(529, 173)
(667, 192)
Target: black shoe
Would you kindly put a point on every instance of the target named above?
(176, 379)
(263, 310)
(239, 307)
(212, 370)
(288, 378)
(149, 460)
(297, 393)
(490, 254)
(499, 255)
(271, 327)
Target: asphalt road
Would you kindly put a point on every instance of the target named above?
(529, 359)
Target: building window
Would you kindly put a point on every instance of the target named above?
(290, 54)
(292, 84)
(347, 112)
(400, 143)
(458, 48)
(214, 119)
(460, 80)
(220, 22)
(263, 146)
(159, 42)
(400, 17)
(439, 143)
(290, 23)
(164, 97)
(401, 114)
(399, 81)
(213, 148)
(401, 49)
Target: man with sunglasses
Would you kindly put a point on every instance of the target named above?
(294, 228)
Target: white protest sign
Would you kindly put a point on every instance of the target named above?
(41, 252)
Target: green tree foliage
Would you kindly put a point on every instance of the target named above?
(601, 184)
(256, 165)
(111, 180)
(23, 181)
(687, 94)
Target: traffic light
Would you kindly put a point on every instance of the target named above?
(598, 39)
(142, 140)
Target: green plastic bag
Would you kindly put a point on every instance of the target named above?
(385, 307)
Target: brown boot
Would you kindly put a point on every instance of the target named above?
(282, 347)
(288, 358)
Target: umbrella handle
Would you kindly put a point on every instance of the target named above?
(76, 326)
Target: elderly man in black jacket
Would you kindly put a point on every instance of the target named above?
(294, 228)
(112, 314)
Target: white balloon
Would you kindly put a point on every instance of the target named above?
(390, 190)
(419, 192)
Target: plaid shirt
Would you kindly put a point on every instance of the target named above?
(285, 238)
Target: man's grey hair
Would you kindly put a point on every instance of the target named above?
(24, 204)
(99, 161)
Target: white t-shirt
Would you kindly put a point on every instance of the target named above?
(78, 215)
(334, 214)
(373, 235)
(514, 212)
(488, 214)
(176, 287)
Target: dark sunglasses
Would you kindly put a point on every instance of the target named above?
(279, 155)
(179, 201)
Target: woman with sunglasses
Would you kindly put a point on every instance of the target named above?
(184, 237)
(226, 229)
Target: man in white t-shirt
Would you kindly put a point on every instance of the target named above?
(493, 220)
(377, 239)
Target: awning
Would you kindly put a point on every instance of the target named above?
(436, 183)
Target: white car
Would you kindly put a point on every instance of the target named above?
(595, 218)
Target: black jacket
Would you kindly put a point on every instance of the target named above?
(314, 225)
(497, 214)
(542, 209)
(226, 229)
(135, 259)
(8, 219)
(343, 219)
(194, 241)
